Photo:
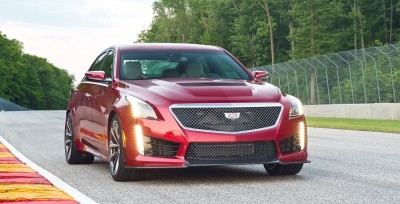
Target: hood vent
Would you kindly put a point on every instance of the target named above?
(212, 84)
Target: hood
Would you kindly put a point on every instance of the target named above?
(203, 91)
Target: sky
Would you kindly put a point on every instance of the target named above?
(71, 33)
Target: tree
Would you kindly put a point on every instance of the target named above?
(271, 32)
(31, 81)
(265, 32)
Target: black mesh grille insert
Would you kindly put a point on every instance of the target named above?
(290, 145)
(231, 152)
(227, 119)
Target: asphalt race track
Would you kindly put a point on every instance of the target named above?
(346, 167)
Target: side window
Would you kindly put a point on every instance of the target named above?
(97, 63)
(107, 66)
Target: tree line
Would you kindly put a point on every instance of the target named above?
(31, 81)
(261, 32)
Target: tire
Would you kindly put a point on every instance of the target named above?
(72, 155)
(283, 169)
(117, 155)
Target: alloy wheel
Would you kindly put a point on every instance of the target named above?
(114, 147)
(68, 138)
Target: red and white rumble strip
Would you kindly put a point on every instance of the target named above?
(22, 181)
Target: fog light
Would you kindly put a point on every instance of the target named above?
(139, 139)
(302, 134)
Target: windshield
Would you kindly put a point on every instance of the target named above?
(136, 65)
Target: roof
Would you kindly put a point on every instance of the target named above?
(166, 46)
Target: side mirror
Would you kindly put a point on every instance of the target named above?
(260, 74)
(96, 75)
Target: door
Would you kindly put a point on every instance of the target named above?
(103, 99)
(88, 136)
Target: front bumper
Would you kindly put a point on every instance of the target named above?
(153, 162)
(171, 131)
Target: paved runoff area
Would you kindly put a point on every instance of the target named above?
(19, 183)
(346, 167)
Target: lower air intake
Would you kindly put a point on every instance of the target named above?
(290, 145)
(159, 148)
(231, 153)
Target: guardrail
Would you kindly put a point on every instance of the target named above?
(370, 75)
(6, 105)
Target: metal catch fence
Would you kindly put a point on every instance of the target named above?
(370, 75)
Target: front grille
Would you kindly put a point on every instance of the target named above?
(231, 152)
(290, 145)
(227, 119)
(159, 147)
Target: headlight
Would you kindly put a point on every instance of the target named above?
(296, 108)
(141, 109)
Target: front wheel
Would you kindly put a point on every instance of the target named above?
(117, 155)
(72, 154)
(283, 169)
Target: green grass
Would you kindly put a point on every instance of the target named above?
(355, 124)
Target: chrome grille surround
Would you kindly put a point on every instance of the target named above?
(211, 117)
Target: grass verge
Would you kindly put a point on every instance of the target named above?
(392, 126)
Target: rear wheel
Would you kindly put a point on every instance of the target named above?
(117, 155)
(283, 169)
(72, 155)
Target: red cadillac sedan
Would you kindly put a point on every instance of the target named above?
(145, 106)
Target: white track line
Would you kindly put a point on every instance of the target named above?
(57, 182)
